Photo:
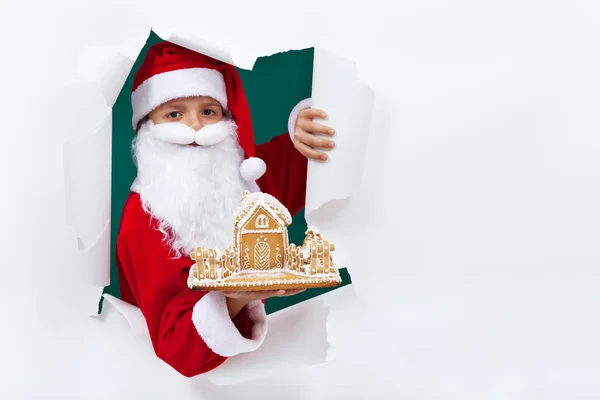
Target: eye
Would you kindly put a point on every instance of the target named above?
(208, 112)
(174, 114)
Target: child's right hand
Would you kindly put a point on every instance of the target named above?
(305, 140)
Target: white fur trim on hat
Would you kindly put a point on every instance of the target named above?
(303, 105)
(252, 168)
(161, 88)
(214, 325)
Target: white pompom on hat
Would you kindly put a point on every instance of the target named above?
(252, 168)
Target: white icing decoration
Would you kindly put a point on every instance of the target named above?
(262, 256)
(278, 230)
(246, 257)
(278, 257)
(269, 203)
(262, 222)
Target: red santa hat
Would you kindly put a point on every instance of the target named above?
(170, 71)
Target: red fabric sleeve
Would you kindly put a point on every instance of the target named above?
(285, 178)
(157, 283)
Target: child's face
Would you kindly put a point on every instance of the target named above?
(196, 112)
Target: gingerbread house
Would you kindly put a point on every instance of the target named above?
(260, 232)
(261, 257)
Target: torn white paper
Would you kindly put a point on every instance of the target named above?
(87, 162)
(88, 165)
(185, 39)
(348, 103)
(106, 69)
(132, 314)
(297, 338)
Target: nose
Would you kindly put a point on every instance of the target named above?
(195, 123)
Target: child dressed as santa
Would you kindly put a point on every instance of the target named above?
(195, 155)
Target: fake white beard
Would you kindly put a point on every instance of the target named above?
(192, 192)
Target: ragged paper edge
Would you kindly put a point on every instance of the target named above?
(348, 101)
(297, 338)
(206, 47)
(296, 344)
(109, 83)
(333, 185)
(132, 314)
(105, 69)
(87, 210)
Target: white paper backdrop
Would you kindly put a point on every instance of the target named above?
(481, 173)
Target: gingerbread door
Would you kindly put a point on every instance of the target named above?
(262, 256)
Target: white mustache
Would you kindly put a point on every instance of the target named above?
(179, 133)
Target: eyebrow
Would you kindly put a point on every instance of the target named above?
(210, 102)
(184, 105)
(174, 105)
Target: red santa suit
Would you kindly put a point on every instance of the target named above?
(192, 330)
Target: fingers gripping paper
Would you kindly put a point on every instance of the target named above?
(349, 106)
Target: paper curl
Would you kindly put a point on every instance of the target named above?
(106, 69)
(297, 338)
(132, 314)
(349, 105)
(88, 165)
(87, 161)
(200, 45)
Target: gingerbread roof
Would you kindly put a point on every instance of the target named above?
(251, 201)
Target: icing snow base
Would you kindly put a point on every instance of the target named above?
(269, 278)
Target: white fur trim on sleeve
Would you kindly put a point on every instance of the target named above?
(211, 319)
(303, 105)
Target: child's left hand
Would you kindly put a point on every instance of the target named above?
(304, 139)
